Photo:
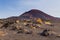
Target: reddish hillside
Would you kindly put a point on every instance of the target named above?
(34, 13)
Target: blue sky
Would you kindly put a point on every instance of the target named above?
(17, 7)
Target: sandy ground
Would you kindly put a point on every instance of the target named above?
(13, 35)
(6, 34)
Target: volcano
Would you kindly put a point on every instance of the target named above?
(34, 13)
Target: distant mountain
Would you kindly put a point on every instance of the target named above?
(34, 13)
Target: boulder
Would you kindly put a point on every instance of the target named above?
(3, 33)
(45, 32)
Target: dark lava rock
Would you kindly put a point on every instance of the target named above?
(45, 33)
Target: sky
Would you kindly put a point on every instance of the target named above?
(17, 7)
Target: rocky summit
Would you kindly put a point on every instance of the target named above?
(31, 25)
